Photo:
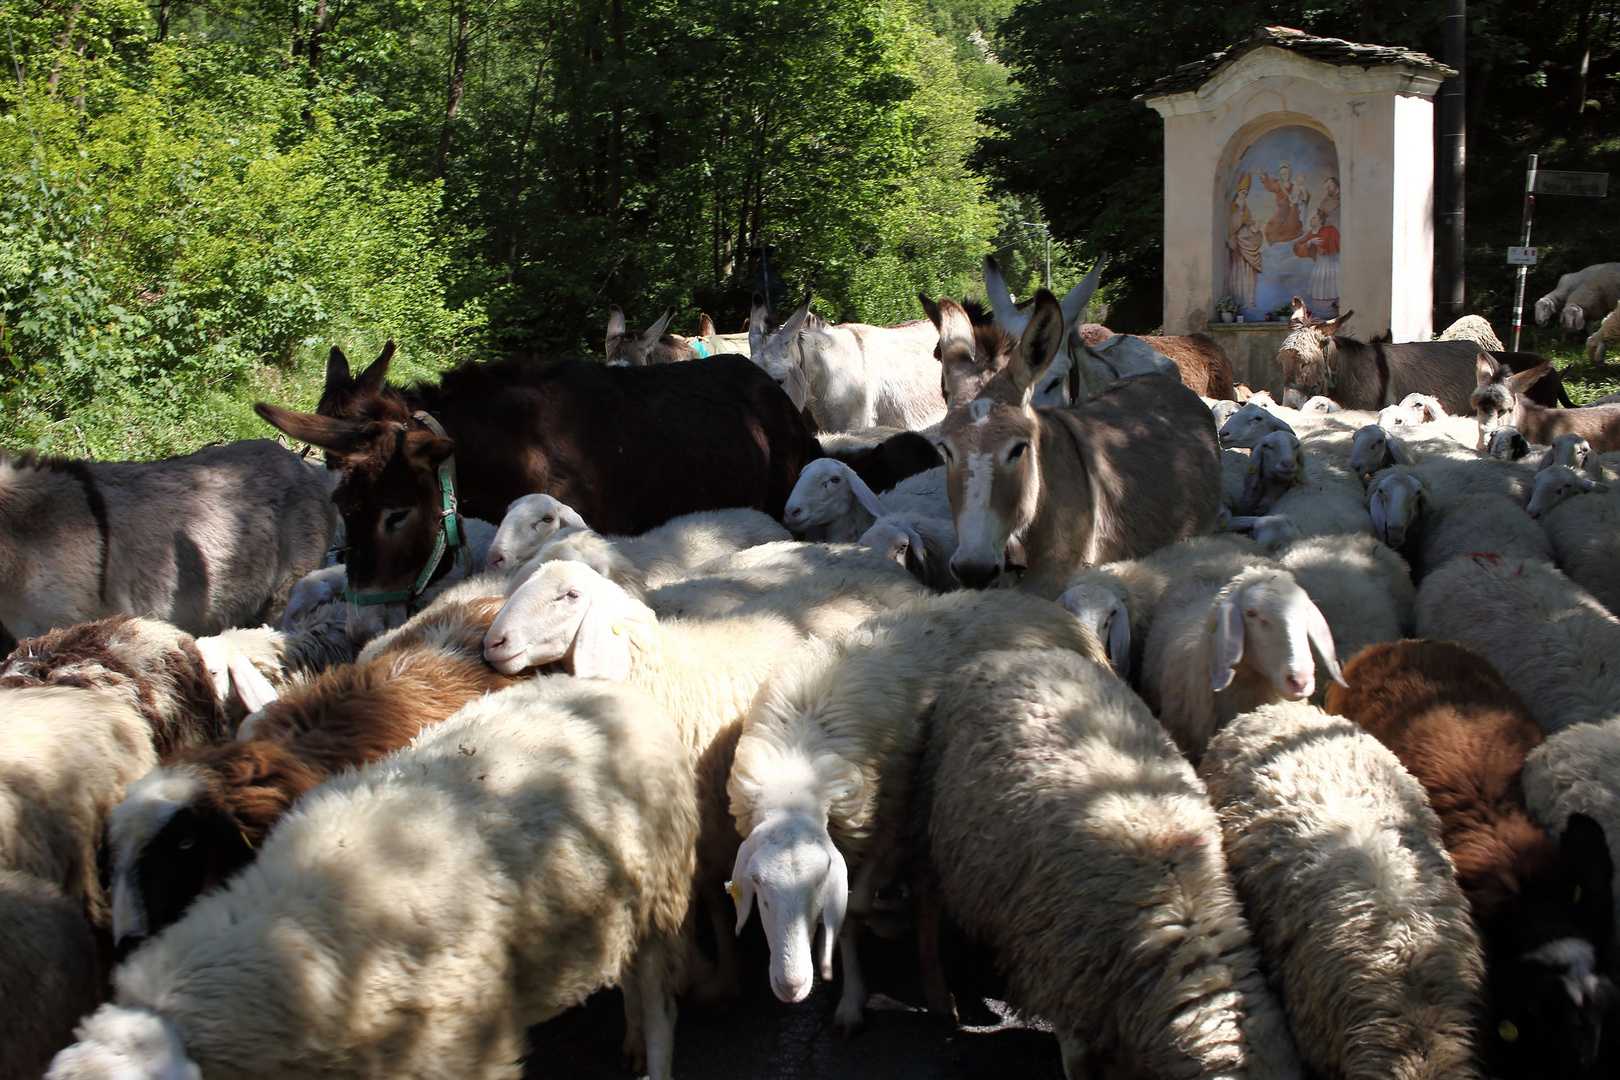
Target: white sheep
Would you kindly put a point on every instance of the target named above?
(1250, 424)
(820, 785)
(1430, 532)
(1585, 537)
(1607, 334)
(1572, 450)
(923, 545)
(1351, 896)
(759, 576)
(1271, 531)
(1099, 595)
(1573, 773)
(1324, 498)
(1276, 463)
(1223, 410)
(1373, 448)
(1548, 638)
(1473, 328)
(49, 972)
(704, 672)
(1595, 293)
(1362, 588)
(1224, 644)
(415, 917)
(830, 502)
(529, 522)
(1068, 833)
(659, 556)
(1556, 485)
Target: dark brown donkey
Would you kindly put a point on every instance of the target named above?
(629, 448)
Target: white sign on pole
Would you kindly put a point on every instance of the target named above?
(1521, 256)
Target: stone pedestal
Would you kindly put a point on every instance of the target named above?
(1252, 348)
(1299, 165)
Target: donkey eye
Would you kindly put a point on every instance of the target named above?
(1017, 451)
(395, 518)
(185, 845)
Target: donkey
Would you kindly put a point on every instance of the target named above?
(625, 348)
(1501, 398)
(851, 376)
(1133, 469)
(1317, 359)
(628, 448)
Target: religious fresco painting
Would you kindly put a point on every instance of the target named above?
(1282, 224)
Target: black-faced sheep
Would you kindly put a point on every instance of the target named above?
(415, 917)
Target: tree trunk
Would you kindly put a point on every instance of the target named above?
(517, 172)
(63, 43)
(458, 82)
(1583, 57)
(317, 32)
(163, 21)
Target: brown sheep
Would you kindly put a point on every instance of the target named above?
(1204, 365)
(189, 825)
(1543, 913)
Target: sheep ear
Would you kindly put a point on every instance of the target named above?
(251, 685)
(836, 902)
(1585, 852)
(1319, 634)
(742, 885)
(1380, 520)
(568, 518)
(865, 496)
(602, 641)
(1228, 632)
(915, 558)
(1119, 640)
(1397, 452)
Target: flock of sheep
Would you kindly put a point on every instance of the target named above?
(1329, 785)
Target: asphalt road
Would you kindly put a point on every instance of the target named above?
(761, 1038)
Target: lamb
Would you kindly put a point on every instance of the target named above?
(1463, 734)
(1223, 644)
(1119, 924)
(1563, 667)
(1373, 449)
(664, 554)
(830, 502)
(1499, 399)
(529, 522)
(1572, 773)
(1324, 499)
(206, 541)
(1275, 463)
(1597, 291)
(1223, 410)
(415, 917)
(821, 780)
(187, 826)
(703, 672)
(1429, 532)
(1473, 328)
(1250, 424)
(920, 544)
(1575, 452)
(1585, 537)
(1353, 903)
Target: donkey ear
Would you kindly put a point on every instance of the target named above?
(958, 354)
(375, 377)
(1002, 305)
(1039, 345)
(1228, 632)
(756, 327)
(425, 450)
(1524, 380)
(1333, 326)
(337, 370)
(1079, 296)
(337, 436)
(615, 321)
(1300, 315)
(705, 325)
(930, 309)
(1484, 370)
(795, 322)
(650, 336)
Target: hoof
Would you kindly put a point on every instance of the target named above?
(848, 1028)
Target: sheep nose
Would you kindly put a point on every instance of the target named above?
(126, 945)
(975, 575)
(495, 562)
(790, 992)
(493, 649)
(1299, 684)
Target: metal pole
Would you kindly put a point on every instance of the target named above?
(1449, 296)
(1048, 257)
(1524, 241)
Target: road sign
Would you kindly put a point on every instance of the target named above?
(1593, 184)
(1521, 256)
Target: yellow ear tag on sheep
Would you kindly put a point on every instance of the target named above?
(245, 839)
(618, 629)
(735, 890)
(1577, 894)
(1508, 1030)
(1251, 468)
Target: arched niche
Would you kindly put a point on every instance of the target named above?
(1278, 217)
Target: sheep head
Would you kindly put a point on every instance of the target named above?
(566, 611)
(1572, 450)
(529, 522)
(893, 537)
(1100, 609)
(1249, 425)
(1266, 622)
(832, 500)
(1395, 507)
(1276, 463)
(791, 866)
(1557, 484)
(1506, 444)
(1373, 448)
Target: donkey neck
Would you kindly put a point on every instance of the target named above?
(1060, 535)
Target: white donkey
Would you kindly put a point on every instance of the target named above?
(851, 376)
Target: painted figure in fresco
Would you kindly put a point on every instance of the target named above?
(1242, 246)
(1330, 203)
(1321, 243)
(1284, 223)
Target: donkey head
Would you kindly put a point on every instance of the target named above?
(388, 494)
(778, 351)
(1496, 391)
(624, 346)
(1306, 351)
(990, 437)
(341, 391)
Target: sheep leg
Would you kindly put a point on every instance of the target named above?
(634, 1050)
(656, 993)
(1074, 1056)
(936, 991)
(849, 1017)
